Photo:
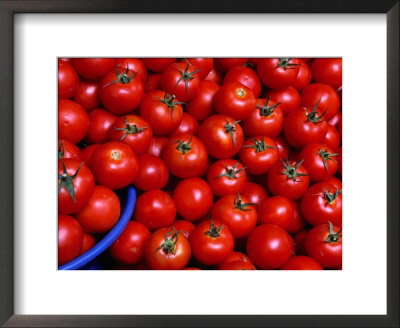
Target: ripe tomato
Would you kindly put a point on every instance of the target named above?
(277, 210)
(93, 68)
(265, 120)
(68, 80)
(332, 137)
(152, 174)
(321, 203)
(155, 209)
(305, 126)
(186, 227)
(235, 257)
(136, 65)
(158, 64)
(245, 76)
(156, 145)
(298, 221)
(259, 155)
(214, 76)
(75, 185)
(225, 64)
(226, 176)
(324, 244)
(121, 91)
(334, 182)
(73, 121)
(87, 94)
(133, 131)
(269, 246)
(278, 73)
(323, 96)
(203, 65)
(299, 239)
(301, 263)
(222, 136)
(237, 213)
(167, 249)
(234, 99)
(114, 165)
(193, 198)
(339, 151)
(201, 106)
(327, 70)
(254, 193)
(283, 147)
(153, 83)
(87, 153)
(101, 212)
(237, 265)
(128, 248)
(185, 156)
(88, 243)
(70, 238)
(304, 76)
(211, 242)
(188, 125)
(67, 149)
(100, 124)
(181, 80)
(289, 99)
(319, 160)
(162, 111)
(288, 179)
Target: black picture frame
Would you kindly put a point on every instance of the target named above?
(7, 10)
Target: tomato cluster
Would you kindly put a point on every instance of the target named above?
(236, 161)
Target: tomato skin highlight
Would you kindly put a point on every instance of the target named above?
(327, 70)
(276, 210)
(87, 94)
(202, 104)
(70, 238)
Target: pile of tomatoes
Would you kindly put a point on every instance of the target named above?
(236, 161)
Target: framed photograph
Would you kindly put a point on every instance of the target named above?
(37, 36)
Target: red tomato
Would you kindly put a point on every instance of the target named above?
(114, 165)
(186, 227)
(234, 99)
(277, 210)
(136, 65)
(327, 70)
(158, 64)
(237, 213)
(152, 174)
(336, 120)
(299, 239)
(100, 124)
(269, 246)
(121, 91)
(324, 244)
(181, 80)
(133, 131)
(222, 136)
(155, 209)
(128, 248)
(93, 68)
(332, 137)
(225, 64)
(319, 160)
(211, 242)
(304, 126)
(70, 238)
(156, 145)
(259, 155)
(288, 98)
(193, 198)
(75, 185)
(235, 257)
(185, 156)
(278, 73)
(101, 212)
(288, 179)
(245, 76)
(88, 243)
(334, 182)
(339, 151)
(254, 193)
(167, 249)
(298, 221)
(237, 265)
(68, 80)
(304, 76)
(73, 121)
(67, 149)
(226, 176)
(321, 203)
(188, 125)
(322, 96)
(87, 94)
(283, 147)
(201, 106)
(162, 111)
(214, 76)
(204, 65)
(265, 120)
(301, 263)
(153, 83)
(87, 153)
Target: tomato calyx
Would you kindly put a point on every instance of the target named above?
(186, 76)
(266, 110)
(214, 231)
(231, 173)
(331, 197)
(130, 129)
(242, 206)
(229, 129)
(168, 101)
(183, 146)
(67, 181)
(286, 64)
(259, 145)
(313, 117)
(333, 237)
(326, 155)
(291, 171)
(170, 240)
(61, 150)
(123, 78)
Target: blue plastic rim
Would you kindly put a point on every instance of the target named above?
(108, 239)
